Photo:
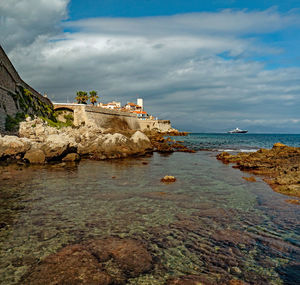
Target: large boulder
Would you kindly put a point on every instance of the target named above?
(130, 255)
(13, 145)
(71, 265)
(141, 140)
(70, 157)
(58, 145)
(106, 261)
(35, 156)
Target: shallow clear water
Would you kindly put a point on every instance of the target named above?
(210, 221)
(237, 142)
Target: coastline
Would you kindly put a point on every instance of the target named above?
(278, 166)
(38, 143)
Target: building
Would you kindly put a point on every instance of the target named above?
(132, 106)
(111, 105)
(141, 115)
(140, 102)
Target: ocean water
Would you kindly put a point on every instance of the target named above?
(237, 142)
(210, 222)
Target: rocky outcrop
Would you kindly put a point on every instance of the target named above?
(71, 157)
(102, 262)
(11, 146)
(279, 166)
(41, 143)
(167, 145)
(58, 145)
(35, 156)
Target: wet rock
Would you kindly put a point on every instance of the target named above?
(130, 255)
(279, 165)
(233, 237)
(71, 157)
(250, 179)
(293, 201)
(279, 145)
(168, 179)
(71, 265)
(106, 261)
(35, 156)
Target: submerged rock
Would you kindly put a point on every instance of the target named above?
(250, 179)
(106, 261)
(189, 280)
(130, 255)
(71, 265)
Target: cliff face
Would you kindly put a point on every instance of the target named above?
(17, 98)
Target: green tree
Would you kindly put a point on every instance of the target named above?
(82, 97)
(93, 97)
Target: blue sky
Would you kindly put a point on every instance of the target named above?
(140, 8)
(208, 66)
(147, 8)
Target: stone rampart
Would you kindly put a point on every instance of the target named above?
(160, 125)
(110, 118)
(106, 118)
(12, 99)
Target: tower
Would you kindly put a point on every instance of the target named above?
(140, 102)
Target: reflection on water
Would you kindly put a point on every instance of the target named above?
(209, 222)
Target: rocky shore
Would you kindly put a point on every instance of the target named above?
(279, 166)
(39, 143)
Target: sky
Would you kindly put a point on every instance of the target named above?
(208, 66)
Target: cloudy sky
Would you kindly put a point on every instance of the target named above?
(208, 66)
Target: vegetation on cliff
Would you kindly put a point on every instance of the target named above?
(27, 105)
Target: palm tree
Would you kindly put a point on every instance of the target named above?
(93, 97)
(81, 97)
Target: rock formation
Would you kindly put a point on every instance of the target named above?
(279, 166)
(102, 262)
(39, 143)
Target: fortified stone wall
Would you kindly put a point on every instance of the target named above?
(160, 125)
(12, 99)
(108, 118)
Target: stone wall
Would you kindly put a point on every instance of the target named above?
(12, 98)
(160, 125)
(109, 118)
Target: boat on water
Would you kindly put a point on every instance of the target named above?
(237, 131)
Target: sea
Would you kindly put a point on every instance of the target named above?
(237, 142)
(210, 222)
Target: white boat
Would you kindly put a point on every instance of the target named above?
(237, 131)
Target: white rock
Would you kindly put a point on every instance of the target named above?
(139, 136)
(13, 145)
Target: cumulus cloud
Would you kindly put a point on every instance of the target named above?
(23, 21)
(199, 70)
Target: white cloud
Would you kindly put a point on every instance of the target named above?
(173, 62)
(23, 21)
